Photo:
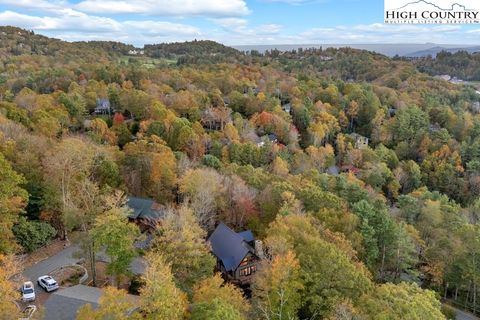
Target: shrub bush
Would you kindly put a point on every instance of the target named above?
(32, 235)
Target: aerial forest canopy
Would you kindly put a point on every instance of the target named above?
(360, 173)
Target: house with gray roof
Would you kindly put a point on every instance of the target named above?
(146, 213)
(103, 107)
(238, 254)
(65, 303)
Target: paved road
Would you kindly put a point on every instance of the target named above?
(62, 258)
(462, 315)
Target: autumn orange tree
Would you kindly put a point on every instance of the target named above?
(149, 168)
(8, 307)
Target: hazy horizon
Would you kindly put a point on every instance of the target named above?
(232, 22)
(389, 49)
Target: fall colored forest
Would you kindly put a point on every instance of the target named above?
(360, 173)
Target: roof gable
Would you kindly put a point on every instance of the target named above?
(230, 247)
(103, 103)
(247, 235)
(145, 209)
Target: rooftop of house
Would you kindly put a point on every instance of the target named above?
(333, 170)
(357, 136)
(231, 247)
(145, 209)
(247, 235)
(65, 303)
(103, 103)
(272, 137)
(445, 77)
(287, 105)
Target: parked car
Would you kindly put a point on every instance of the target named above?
(47, 283)
(28, 291)
(28, 312)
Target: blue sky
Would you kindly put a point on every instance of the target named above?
(233, 22)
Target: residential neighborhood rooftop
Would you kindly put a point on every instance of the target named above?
(230, 247)
(145, 209)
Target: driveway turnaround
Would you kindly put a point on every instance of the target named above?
(44, 267)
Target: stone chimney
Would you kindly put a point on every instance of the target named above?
(259, 249)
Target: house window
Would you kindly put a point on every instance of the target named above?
(248, 270)
(245, 261)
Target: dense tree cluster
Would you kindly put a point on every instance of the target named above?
(460, 64)
(361, 175)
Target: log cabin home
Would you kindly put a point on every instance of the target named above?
(238, 254)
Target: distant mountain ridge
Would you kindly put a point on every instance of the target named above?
(19, 41)
(435, 50)
(401, 49)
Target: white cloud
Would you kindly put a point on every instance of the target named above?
(212, 8)
(241, 27)
(271, 29)
(161, 28)
(66, 20)
(230, 23)
(296, 2)
(374, 33)
(377, 33)
(35, 4)
(177, 8)
(72, 25)
(60, 19)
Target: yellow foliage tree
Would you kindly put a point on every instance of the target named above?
(8, 290)
(280, 167)
(215, 288)
(277, 288)
(115, 304)
(160, 299)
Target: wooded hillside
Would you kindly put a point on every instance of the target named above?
(360, 174)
